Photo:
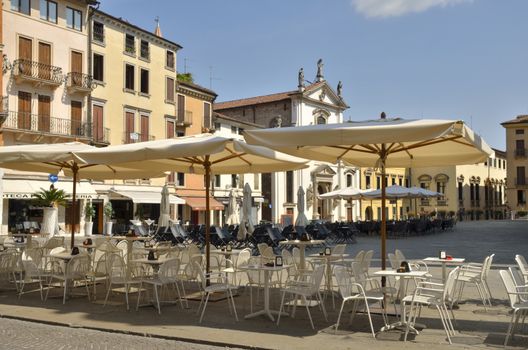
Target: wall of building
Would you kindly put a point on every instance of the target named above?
(517, 158)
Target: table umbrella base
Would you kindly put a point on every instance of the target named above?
(213, 297)
(268, 313)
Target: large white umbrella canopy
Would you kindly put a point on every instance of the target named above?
(164, 218)
(396, 192)
(380, 143)
(345, 193)
(246, 224)
(200, 154)
(301, 220)
(232, 213)
(52, 158)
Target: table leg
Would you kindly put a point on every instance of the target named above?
(302, 257)
(444, 273)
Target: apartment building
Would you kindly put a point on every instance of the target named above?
(45, 89)
(516, 141)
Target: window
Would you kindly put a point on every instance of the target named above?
(129, 77)
(144, 123)
(440, 187)
(378, 182)
(169, 62)
(48, 10)
(521, 197)
(180, 179)
(400, 181)
(519, 148)
(289, 187)
(98, 67)
(321, 120)
(367, 181)
(393, 181)
(144, 76)
(73, 18)
(207, 115)
(98, 32)
(22, 6)
(130, 44)
(217, 180)
(169, 93)
(234, 180)
(521, 178)
(240, 131)
(519, 131)
(144, 51)
(217, 126)
(349, 180)
(233, 129)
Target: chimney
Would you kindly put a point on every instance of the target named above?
(157, 31)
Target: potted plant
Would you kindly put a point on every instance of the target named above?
(108, 212)
(89, 213)
(50, 200)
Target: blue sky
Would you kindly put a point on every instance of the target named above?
(448, 59)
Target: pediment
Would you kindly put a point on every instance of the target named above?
(323, 170)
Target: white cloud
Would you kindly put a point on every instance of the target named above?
(394, 8)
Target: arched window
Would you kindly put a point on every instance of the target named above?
(349, 180)
(425, 181)
(321, 120)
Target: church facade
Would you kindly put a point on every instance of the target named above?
(311, 103)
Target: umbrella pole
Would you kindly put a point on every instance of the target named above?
(207, 166)
(75, 170)
(383, 216)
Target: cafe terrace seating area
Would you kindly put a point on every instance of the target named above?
(290, 284)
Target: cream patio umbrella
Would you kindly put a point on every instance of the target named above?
(164, 217)
(52, 158)
(246, 224)
(200, 154)
(380, 143)
(301, 220)
(232, 217)
(345, 193)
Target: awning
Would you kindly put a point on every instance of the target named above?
(148, 197)
(198, 203)
(24, 189)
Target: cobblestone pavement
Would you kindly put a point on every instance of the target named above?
(17, 334)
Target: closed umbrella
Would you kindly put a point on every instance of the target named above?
(164, 218)
(232, 212)
(52, 158)
(200, 154)
(246, 224)
(301, 220)
(380, 143)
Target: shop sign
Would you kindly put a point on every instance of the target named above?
(17, 195)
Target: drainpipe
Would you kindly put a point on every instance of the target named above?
(89, 23)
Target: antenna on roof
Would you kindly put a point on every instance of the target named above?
(212, 77)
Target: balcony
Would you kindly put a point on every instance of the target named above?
(38, 74)
(521, 182)
(100, 136)
(79, 82)
(185, 119)
(134, 137)
(520, 153)
(27, 123)
(441, 202)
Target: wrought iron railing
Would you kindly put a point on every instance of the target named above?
(99, 134)
(185, 118)
(521, 181)
(520, 152)
(37, 70)
(79, 81)
(45, 124)
(133, 137)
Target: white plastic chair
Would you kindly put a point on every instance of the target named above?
(167, 276)
(76, 270)
(523, 266)
(219, 287)
(476, 274)
(519, 307)
(305, 290)
(234, 268)
(355, 292)
(117, 275)
(432, 294)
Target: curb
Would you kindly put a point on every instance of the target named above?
(139, 334)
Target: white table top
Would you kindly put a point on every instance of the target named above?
(403, 274)
(64, 255)
(263, 267)
(147, 261)
(225, 252)
(299, 242)
(452, 260)
(328, 257)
